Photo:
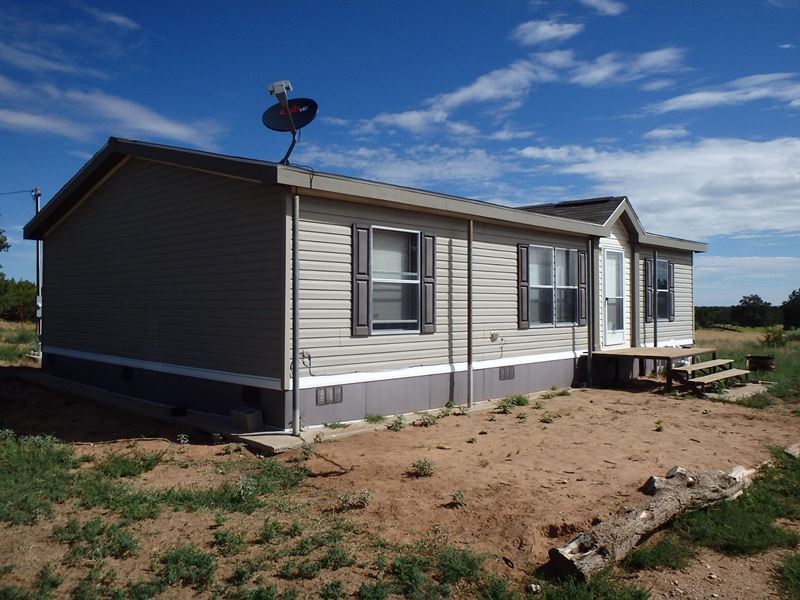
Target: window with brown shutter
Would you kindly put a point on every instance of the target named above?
(648, 290)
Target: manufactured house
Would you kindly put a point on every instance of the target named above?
(168, 276)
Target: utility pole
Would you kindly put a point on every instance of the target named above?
(37, 198)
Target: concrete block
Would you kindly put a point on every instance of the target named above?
(246, 418)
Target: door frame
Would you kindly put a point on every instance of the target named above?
(614, 337)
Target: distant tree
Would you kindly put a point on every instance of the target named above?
(791, 310)
(4, 245)
(752, 311)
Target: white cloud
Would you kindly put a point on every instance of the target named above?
(656, 84)
(412, 120)
(783, 87)
(104, 16)
(613, 67)
(696, 190)
(127, 117)
(31, 122)
(507, 83)
(557, 59)
(666, 132)
(29, 59)
(414, 166)
(605, 7)
(531, 33)
(8, 87)
(787, 46)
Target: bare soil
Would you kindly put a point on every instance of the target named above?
(527, 485)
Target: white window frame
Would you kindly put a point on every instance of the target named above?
(557, 287)
(372, 280)
(662, 290)
(551, 287)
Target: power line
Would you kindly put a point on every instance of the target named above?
(17, 192)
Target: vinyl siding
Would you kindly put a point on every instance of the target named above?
(618, 240)
(682, 328)
(325, 291)
(170, 265)
(495, 297)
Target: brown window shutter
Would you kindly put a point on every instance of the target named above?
(428, 285)
(361, 274)
(583, 297)
(648, 290)
(671, 291)
(523, 289)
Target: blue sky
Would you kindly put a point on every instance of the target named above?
(691, 109)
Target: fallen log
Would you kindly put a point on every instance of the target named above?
(610, 541)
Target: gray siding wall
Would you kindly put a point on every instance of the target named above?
(170, 265)
(682, 328)
(325, 293)
(495, 297)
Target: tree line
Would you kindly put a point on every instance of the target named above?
(752, 311)
(17, 297)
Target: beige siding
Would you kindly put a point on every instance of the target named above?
(618, 240)
(495, 297)
(170, 265)
(682, 328)
(325, 291)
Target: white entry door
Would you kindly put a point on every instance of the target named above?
(614, 290)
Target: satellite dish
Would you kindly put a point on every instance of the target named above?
(302, 110)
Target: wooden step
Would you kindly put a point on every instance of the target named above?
(709, 364)
(719, 376)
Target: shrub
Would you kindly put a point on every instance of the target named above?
(455, 564)
(519, 400)
(422, 467)
(505, 405)
(333, 590)
(187, 565)
(457, 500)
(374, 591)
(354, 501)
(228, 543)
(306, 451)
(374, 419)
(426, 419)
(773, 337)
(270, 531)
(397, 423)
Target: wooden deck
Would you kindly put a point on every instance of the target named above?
(667, 355)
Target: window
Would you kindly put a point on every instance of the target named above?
(566, 286)
(541, 282)
(395, 280)
(553, 281)
(662, 290)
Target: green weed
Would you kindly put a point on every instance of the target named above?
(333, 590)
(422, 467)
(374, 419)
(336, 425)
(129, 465)
(228, 543)
(355, 501)
(789, 576)
(374, 591)
(188, 566)
(668, 552)
(397, 424)
(95, 540)
(426, 419)
(262, 592)
(760, 400)
(244, 571)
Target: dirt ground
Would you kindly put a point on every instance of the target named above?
(527, 485)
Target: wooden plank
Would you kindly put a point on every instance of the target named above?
(720, 362)
(727, 374)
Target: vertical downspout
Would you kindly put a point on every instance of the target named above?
(470, 380)
(37, 198)
(589, 312)
(295, 315)
(654, 275)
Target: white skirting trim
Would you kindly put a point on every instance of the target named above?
(312, 382)
(270, 383)
(670, 343)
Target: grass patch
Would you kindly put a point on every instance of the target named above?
(95, 540)
(599, 588)
(37, 471)
(129, 465)
(20, 336)
(262, 592)
(422, 467)
(668, 552)
(760, 400)
(374, 419)
(746, 525)
(336, 425)
(333, 590)
(188, 566)
(397, 424)
(789, 576)
(10, 353)
(378, 590)
(228, 543)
